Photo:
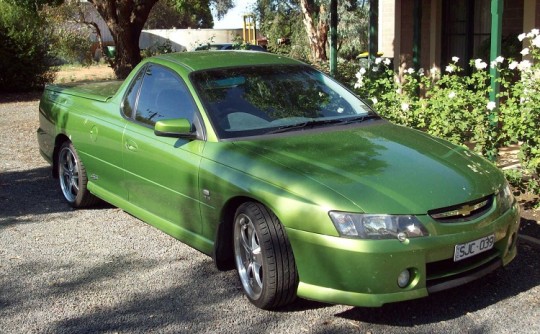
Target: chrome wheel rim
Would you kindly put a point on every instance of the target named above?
(68, 172)
(248, 256)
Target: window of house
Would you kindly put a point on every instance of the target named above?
(466, 31)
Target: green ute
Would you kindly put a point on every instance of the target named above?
(278, 171)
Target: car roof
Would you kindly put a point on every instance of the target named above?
(203, 60)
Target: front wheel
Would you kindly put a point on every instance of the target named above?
(264, 257)
(73, 178)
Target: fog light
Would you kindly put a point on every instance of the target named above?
(403, 278)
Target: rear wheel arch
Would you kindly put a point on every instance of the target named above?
(60, 139)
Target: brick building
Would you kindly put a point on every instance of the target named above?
(447, 28)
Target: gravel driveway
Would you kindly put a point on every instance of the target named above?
(101, 270)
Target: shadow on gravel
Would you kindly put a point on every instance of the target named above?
(30, 192)
(183, 306)
(21, 97)
(530, 228)
(519, 276)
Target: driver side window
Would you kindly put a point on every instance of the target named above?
(163, 95)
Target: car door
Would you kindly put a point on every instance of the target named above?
(162, 172)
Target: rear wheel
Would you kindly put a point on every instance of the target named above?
(263, 257)
(72, 176)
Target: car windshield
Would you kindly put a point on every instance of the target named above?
(257, 100)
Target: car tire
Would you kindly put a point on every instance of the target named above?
(264, 257)
(72, 177)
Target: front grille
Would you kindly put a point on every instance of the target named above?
(445, 274)
(463, 212)
(439, 269)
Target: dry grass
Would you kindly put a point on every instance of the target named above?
(72, 73)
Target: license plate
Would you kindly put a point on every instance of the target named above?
(471, 248)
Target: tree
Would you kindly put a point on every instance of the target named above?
(315, 18)
(126, 18)
(282, 19)
(167, 14)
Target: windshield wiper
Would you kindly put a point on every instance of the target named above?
(358, 119)
(318, 122)
(310, 123)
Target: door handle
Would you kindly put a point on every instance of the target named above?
(131, 145)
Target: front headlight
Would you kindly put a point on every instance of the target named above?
(369, 226)
(505, 199)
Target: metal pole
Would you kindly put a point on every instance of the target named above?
(373, 30)
(496, 38)
(333, 37)
(417, 34)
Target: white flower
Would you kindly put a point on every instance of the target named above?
(362, 71)
(491, 105)
(480, 64)
(497, 61)
(375, 68)
(452, 95)
(378, 60)
(404, 106)
(374, 100)
(359, 84)
(522, 36)
(435, 70)
(524, 65)
(525, 51)
(455, 59)
(450, 68)
(513, 65)
(421, 71)
(530, 35)
(536, 41)
(386, 61)
(410, 70)
(535, 32)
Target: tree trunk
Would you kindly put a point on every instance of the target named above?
(317, 32)
(125, 19)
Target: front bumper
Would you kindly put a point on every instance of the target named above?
(364, 272)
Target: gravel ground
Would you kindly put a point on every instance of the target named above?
(103, 271)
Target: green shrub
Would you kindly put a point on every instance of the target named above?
(25, 62)
(456, 107)
(73, 45)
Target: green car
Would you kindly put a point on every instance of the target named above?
(275, 169)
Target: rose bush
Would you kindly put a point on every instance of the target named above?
(456, 106)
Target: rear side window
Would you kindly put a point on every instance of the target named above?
(131, 98)
(163, 95)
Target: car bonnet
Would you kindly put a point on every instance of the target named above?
(381, 168)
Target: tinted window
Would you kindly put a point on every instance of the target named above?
(131, 97)
(255, 100)
(163, 95)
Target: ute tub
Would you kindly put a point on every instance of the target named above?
(98, 91)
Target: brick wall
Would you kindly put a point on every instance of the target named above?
(387, 26)
(407, 33)
(513, 17)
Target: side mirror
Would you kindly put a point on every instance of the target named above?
(177, 128)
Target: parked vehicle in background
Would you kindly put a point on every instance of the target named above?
(230, 46)
(274, 168)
